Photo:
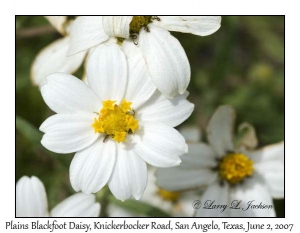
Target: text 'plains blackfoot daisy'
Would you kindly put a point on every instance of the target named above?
(115, 125)
(166, 60)
(230, 170)
(31, 201)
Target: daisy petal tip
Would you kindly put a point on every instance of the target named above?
(78, 189)
(121, 199)
(98, 208)
(42, 127)
(23, 178)
(186, 149)
(138, 196)
(179, 162)
(175, 163)
(86, 192)
(47, 144)
(121, 196)
(43, 142)
(183, 91)
(170, 95)
(192, 106)
(192, 109)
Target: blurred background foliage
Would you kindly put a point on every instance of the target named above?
(242, 64)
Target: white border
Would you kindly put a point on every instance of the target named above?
(79, 7)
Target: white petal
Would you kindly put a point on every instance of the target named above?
(58, 22)
(269, 163)
(117, 26)
(107, 72)
(198, 25)
(191, 133)
(64, 93)
(84, 78)
(274, 152)
(77, 205)
(171, 112)
(195, 170)
(166, 60)
(67, 133)
(86, 32)
(158, 144)
(200, 155)
(53, 58)
(219, 130)
(92, 167)
(140, 87)
(273, 174)
(252, 190)
(129, 177)
(179, 178)
(130, 49)
(217, 193)
(31, 198)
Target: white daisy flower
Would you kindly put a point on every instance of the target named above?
(115, 125)
(231, 171)
(31, 201)
(165, 58)
(53, 58)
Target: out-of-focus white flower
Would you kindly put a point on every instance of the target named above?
(53, 58)
(115, 125)
(31, 201)
(166, 60)
(231, 171)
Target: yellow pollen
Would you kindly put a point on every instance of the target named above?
(116, 121)
(168, 195)
(235, 167)
(139, 22)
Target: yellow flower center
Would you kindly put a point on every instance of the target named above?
(139, 22)
(116, 121)
(235, 167)
(168, 195)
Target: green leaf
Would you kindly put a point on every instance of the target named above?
(29, 131)
(139, 207)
